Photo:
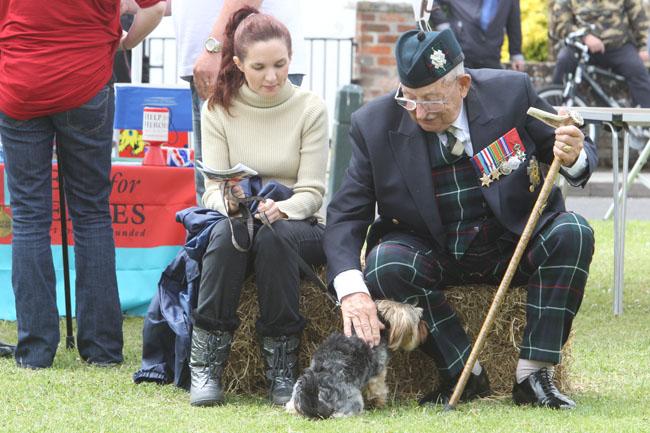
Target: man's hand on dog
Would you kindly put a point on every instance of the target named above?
(360, 313)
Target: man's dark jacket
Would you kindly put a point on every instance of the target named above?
(481, 47)
(390, 167)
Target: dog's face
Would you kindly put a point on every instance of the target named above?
(323, 395)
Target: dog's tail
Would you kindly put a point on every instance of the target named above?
(306, 397)
(405, 328)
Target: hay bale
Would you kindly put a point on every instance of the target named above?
(410, 374)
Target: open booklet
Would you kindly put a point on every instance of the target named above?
(235, 174)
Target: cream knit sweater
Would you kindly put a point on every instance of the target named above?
(284, 138)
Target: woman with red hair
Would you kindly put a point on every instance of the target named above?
(258, 118)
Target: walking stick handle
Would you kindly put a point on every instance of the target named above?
(554, 120)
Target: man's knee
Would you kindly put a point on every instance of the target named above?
(573, 236)
(389, 265)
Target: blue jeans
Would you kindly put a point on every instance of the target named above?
(84, 136)
(197, 102)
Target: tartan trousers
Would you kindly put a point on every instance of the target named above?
(555, 266)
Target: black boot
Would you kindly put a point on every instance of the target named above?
(208, 358)
(281, 358)
(6, 350)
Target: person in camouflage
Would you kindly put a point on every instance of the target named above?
(616, 37)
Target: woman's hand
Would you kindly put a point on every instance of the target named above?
(270, 209)
(233, 192)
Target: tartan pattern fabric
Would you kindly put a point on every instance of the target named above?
(458, 195)
(555, 267)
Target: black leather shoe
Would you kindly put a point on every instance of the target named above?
(538, 390)
(477, 386)
(6, 350)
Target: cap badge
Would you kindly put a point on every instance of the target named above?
(438, 59)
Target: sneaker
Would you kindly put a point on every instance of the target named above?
(538, 390)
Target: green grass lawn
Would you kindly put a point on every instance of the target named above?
(610, 374)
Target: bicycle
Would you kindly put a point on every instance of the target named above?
(570, 95)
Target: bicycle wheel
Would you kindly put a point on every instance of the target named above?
(554, 95)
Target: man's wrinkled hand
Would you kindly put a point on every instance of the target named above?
(205, 73)
(360, 314)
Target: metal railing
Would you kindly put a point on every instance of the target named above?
(162, 69)
(330, 64)
(342, 49)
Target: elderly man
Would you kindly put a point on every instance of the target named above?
(451, 160)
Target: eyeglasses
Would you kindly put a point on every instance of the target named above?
(411, 105)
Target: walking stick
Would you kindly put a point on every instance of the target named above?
(69, 338)
(554, 120)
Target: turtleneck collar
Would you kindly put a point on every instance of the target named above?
(249, 97)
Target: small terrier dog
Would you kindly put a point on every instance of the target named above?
(342, 368)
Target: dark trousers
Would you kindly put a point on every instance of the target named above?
(277, 275)
(624, 61)
(555, 266)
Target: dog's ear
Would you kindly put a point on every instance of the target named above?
(325, 407)
(309, 396)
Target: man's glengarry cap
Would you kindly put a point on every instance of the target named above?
(425, 57)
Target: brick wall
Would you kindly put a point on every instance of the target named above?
(378, 26)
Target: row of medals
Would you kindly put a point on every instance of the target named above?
(510, 164)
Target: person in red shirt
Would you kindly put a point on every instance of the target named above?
(55, 69)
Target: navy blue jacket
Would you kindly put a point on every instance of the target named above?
(482, 48)
(167, 330)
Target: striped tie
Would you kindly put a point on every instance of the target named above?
(456, 146)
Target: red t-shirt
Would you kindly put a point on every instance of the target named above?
(56, 55)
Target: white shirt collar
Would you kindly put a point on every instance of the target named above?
(462, 125)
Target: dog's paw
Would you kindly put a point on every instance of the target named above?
(290, 407)
(377, 402)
